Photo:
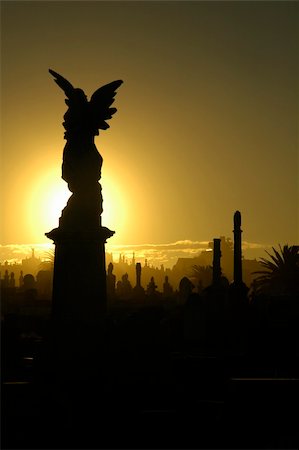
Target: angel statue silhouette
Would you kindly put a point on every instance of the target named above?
(85, 118)
(81, 166)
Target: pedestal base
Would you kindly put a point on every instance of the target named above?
(79, 283)
(78, 302)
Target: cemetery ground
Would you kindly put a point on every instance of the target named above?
(144, 391)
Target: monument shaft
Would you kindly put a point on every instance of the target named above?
(238, 279)
(216, 262)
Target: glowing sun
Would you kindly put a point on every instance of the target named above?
(49, 195)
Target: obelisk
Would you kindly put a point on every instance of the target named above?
(238, 288)
(238, 279)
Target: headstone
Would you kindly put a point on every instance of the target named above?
(138, 291)
(167, 288)
(111, 280)
(151, 289)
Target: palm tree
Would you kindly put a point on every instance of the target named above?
(48, 262)
(281, 274)
(203, 275)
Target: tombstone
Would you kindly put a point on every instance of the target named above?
(12, 281)
(29, 288)
(167, 288)
(44, 280)
(6, 279)
(151, 288)
(111, 280)
(185, 289)
(7, 292)
(194, 322)
(29, 282)
(138, 275)
(21, 279)
(118, 289)
(125, 287)
(138, 290)
(215, 304)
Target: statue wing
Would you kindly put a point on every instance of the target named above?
(65, 85)
(100, 103)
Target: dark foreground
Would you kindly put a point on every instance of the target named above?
(141, 393)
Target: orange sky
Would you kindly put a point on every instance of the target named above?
(207, 119)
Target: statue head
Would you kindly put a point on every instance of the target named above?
(78, 97)
(80, 94)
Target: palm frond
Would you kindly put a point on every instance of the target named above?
(280, 274)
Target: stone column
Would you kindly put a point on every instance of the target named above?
(138, 291)
(238, 289)
(238, 280)
(216, 262)
(138, 275)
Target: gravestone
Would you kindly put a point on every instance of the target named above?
(111, 281)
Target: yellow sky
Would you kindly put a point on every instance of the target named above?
(207, 119)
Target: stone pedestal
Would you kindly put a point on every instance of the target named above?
(79, 302)
(79, 283)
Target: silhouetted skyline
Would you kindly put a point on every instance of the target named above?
(215, 367)
(207, 125)
(156, 254)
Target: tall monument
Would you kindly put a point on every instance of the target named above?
(216, 262)
(238, 279)
(238, 288)
(79, 284)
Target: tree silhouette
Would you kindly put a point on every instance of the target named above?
(48, 262)
(203, 275)
(281, 274)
